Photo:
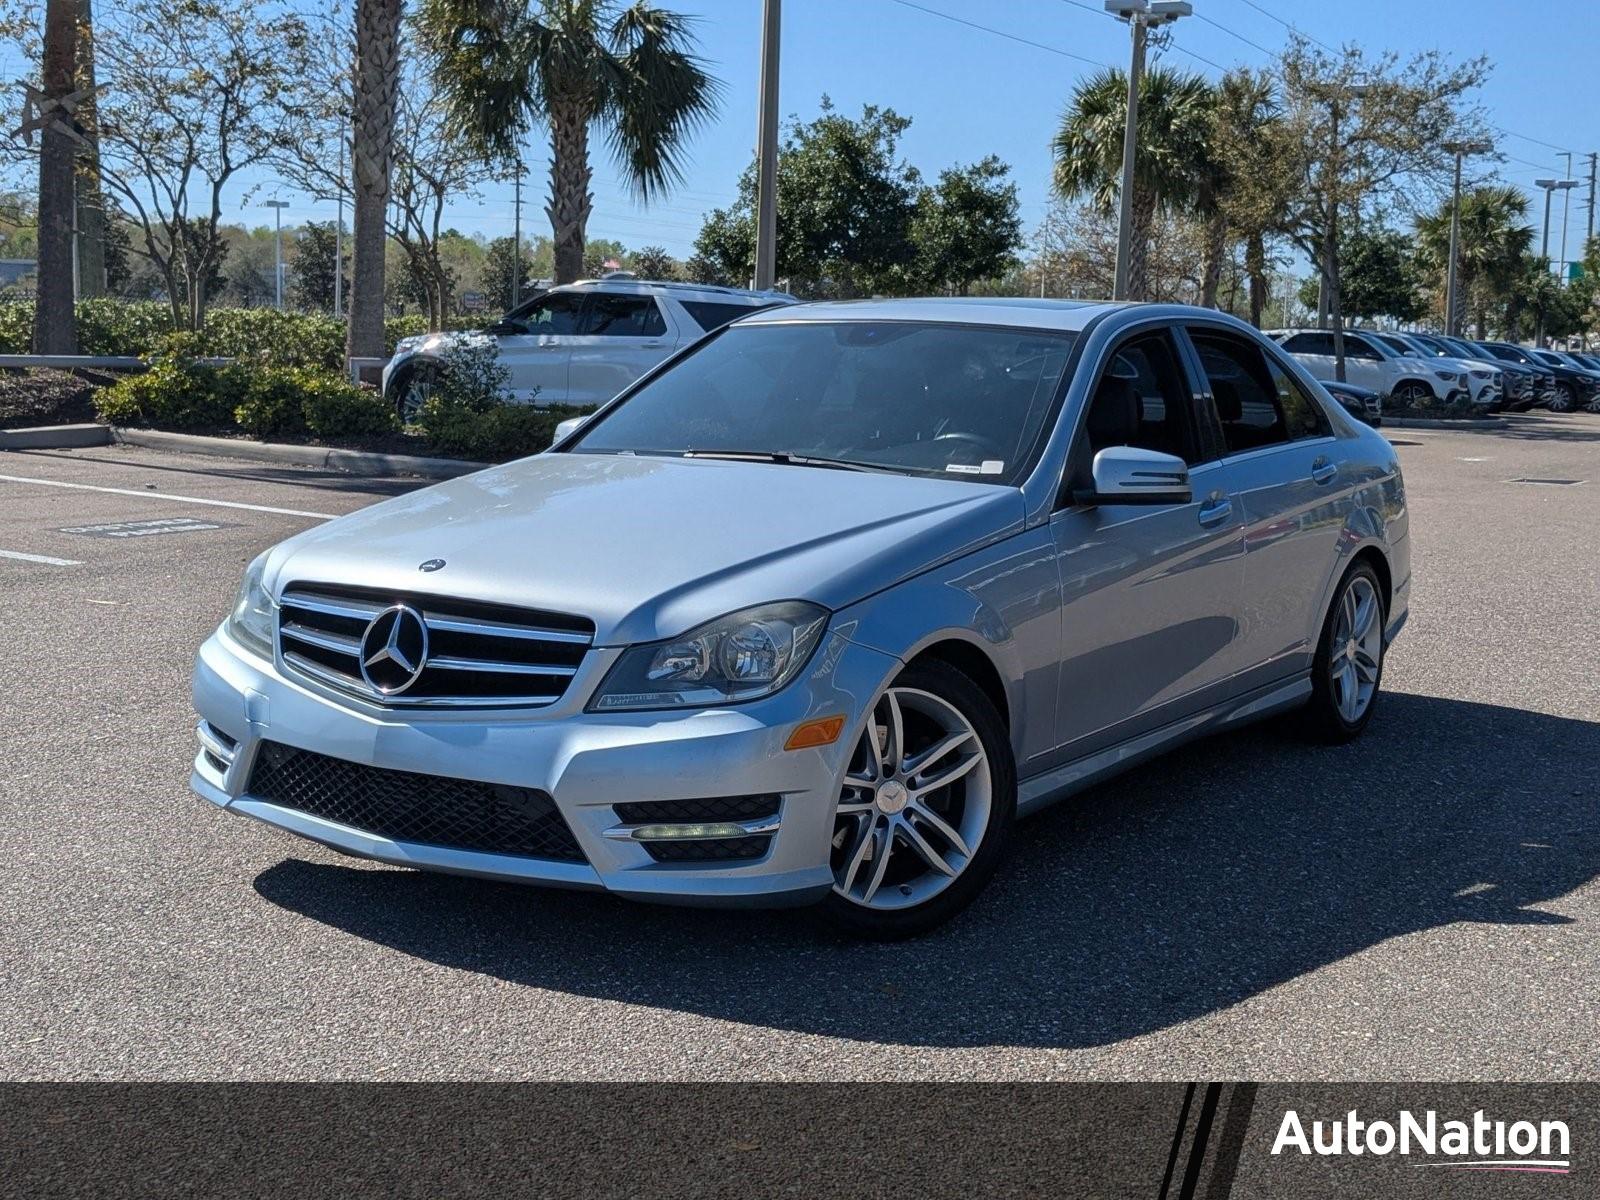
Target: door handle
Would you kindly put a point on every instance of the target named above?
(1215, 511)
(1323, 470)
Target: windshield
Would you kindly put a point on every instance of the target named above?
(919, 398)
(1398, 344)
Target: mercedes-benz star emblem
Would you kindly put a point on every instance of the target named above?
(433, 564)
(394, 649)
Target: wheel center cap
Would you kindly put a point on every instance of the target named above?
(1350, 649)
(891, 797)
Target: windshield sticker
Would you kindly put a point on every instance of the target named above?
(989, 466)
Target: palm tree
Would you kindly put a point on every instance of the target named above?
(1493, 248)
(377, 84)
(1253, 152)
(1169, 171)
(506, 65)
(54, 321)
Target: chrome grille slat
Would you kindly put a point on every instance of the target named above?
(480, 655)
(508, 668)
(337, 642)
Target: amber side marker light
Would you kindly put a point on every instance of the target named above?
(823, 731)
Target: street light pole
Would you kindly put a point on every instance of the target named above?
(277, 247)
(1141, 16)
(1452, 320)
(516, 237)
(1566, 208)
(767, 150)
(1550, 186)
(338, 242)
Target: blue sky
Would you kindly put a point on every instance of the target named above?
(971, 92)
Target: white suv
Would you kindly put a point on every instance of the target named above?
(579, 344)
(1369, 363)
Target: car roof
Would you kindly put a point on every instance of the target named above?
(1064, 315)
(711, 292)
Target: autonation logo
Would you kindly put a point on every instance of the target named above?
(1480, 1144)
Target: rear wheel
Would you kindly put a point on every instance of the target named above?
(1349, 662)
(924, 807)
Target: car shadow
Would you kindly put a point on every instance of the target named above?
(1189, 885)
(1548, 427)
(302, 477)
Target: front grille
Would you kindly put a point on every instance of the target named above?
(725, 808)
(460, 814)
(718, 850)
(478, 655)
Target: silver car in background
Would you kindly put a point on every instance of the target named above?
(817, 609)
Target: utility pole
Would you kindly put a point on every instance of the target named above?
(1590, 234)
(1566, 207)
(1141, 16)
(516, 237)
(767, 150)
(277, 246)
(1452, 320)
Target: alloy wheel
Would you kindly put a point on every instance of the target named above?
(914, 805)
(1356, 651)
(1562, 400)
(414, 392)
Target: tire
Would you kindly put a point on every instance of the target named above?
(1331, 715)
(1564, 400)
(1411, 394)
(1594, 404)
(410, 388)
(900, 895)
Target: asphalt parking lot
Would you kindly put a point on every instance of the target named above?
(1421, 905)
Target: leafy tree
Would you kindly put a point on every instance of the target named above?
(313, 263)
(1493, 245)
(1380, 277)
(966, 227)
(1173, 160)
(846, 200)
(1251, 153)
(653, 262)
(572, 65)
(500, 267)
(1383, 148)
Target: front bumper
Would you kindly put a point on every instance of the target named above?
(586, 762)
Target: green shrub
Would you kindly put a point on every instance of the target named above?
(273, 404)
(492, 432)
(335, 408)
(285, 339)
(175, 393)
(118, 327)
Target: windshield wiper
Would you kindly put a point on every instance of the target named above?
(782, 457)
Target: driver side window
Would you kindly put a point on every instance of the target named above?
(556, 313)
(1142, 400)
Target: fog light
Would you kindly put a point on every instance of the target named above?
(823, 731)
(678, 833)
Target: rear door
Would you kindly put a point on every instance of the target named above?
(1283, 460)
(537, 355)
(1314, 348)
(624, 334)
(1149, 593)
(1368, 366)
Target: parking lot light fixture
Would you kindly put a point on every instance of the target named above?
(1141, 16)
(277, 248)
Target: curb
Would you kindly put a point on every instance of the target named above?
(1429, 423)
(55, 437)
(351, 462)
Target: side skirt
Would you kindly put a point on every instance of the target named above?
(1060, 782)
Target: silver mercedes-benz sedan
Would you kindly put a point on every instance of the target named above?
(818, 608)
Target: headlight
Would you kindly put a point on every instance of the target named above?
(1450, 376)
(409, 343)
(254, 615)
(743, 656)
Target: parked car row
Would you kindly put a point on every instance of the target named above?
(1423, 370)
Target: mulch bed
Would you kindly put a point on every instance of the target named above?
(46, 397)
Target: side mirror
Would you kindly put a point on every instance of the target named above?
(567, 428)
(1129, 475)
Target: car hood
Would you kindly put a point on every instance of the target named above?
(648, 547)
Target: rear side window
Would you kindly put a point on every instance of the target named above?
(1258, 403)
(1310, 343)
(611, 315)
(1355, 347)
(709, 315)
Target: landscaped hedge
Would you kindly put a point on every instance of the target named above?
(138, 328)
(494, 431)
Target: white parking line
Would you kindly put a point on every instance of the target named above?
(168, 497)
(39, 558)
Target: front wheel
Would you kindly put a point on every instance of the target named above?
(410, 389)
(1348, 666)
(1412, 394)
(1564, 400)
(924, 808)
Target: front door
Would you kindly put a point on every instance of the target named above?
(536, 357)
(1149, 593)
(623, 335)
